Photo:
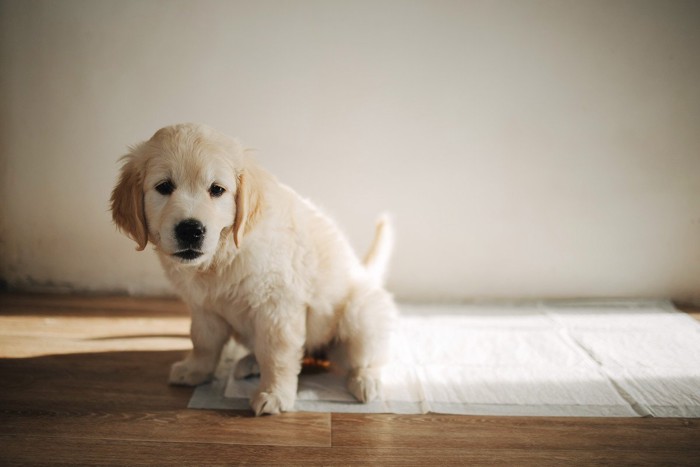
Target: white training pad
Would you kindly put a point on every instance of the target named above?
(602, 359)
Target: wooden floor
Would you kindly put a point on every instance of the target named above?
(82, 381)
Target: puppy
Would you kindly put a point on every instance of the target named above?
(256, 262)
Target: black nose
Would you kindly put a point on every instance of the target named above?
(190, 234)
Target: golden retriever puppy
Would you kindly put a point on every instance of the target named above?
(256, 262)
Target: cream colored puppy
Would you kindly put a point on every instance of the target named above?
(256, 262)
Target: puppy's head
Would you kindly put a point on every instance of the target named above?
(186, 190)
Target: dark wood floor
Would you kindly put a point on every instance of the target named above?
(82, 381)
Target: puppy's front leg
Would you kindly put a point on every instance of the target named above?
(209, 333)
(279, 348)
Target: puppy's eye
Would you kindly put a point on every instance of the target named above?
(216, 190)
(165, 188)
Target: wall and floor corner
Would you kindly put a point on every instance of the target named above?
(526, 148)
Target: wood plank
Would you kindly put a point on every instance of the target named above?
(86, 305)
(448, 431)
(94, 381)
(22, 450)
(93, 326)
(175, 426)
(22, 346)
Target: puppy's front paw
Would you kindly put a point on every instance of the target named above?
(364, 386)
(270, 403)
(188, 373)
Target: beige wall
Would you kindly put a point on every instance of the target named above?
(526, 148)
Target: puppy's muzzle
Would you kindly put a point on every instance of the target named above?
(190, 236)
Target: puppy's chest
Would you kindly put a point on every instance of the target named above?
(237, 314)
(225, 297)
(232, 308)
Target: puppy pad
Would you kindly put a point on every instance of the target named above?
(599, 359)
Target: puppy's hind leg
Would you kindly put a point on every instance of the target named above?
(365, 332)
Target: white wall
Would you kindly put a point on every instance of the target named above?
(526, 148)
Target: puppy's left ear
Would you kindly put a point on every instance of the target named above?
(249, 202)
(127, 203)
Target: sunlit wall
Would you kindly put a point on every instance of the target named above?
(525, 148)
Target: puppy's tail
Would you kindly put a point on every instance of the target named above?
(377, 258)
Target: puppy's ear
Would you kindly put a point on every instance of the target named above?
(127, 203)
(248, 204)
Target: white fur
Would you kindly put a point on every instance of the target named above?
(275, 273)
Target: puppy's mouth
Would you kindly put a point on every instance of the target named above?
(188, 255)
